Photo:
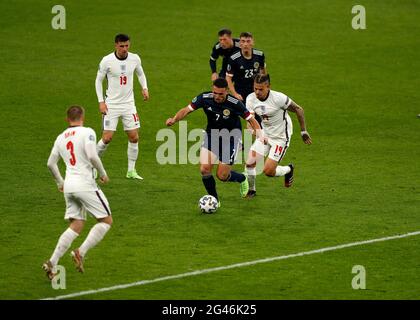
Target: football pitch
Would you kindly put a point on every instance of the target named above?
(358, 181)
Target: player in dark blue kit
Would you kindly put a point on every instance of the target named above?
(222, 136)
(224, 48)
(243, 66)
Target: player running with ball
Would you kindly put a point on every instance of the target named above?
(223, 135)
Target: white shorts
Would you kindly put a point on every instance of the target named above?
(128, 114)
(94, 202)
(276, 149)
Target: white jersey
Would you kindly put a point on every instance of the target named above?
(119, 74)
(276, 122)
(71, 147)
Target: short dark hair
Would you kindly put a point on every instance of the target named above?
(225, 31)
(246, 35)
(75, 113)
(262, 78)
(220, 83)
(121, 38)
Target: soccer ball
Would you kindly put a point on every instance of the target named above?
(208, 204)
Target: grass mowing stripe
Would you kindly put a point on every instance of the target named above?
(232, 266)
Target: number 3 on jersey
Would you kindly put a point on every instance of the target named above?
(70, 147)
(123, 80)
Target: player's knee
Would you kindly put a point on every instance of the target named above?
(205, 170)
(269, 172)
(223, 176)
(107, 139)
(133, 139)
(77, 225)
(107, 220)
(251, 165)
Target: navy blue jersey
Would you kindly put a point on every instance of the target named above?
(244, 70)
(223, 115)
(218, 51)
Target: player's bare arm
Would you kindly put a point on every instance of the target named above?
(249, 127)
(255, 127)
(293, 107)
(232, 88)
(181, 114)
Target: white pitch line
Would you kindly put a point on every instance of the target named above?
(232, 266)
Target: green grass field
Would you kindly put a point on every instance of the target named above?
(358, 181)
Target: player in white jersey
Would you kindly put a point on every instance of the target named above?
(118, 68)
(272, 107)
(77, 147)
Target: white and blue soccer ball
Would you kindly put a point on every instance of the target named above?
(208, 204)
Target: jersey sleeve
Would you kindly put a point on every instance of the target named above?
(92, 154)
(90, 137)
(243, 111)
(213, 57)
(140, 73)
(249, 105)
(52, 164)
(100, 76)
(196, 103)
(230, 69)
(283, 101)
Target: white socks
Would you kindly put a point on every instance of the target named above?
(101, 147)
(96, 234)
(252, 172)
(63, 245)
(282, 170)
(132, 154)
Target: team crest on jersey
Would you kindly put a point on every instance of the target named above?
(256, 65)
(226, 112)
(122, 66)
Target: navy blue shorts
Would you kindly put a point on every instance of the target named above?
(224, 144)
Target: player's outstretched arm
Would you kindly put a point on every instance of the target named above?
(52, 166)
(181, 114)
(293, 107)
